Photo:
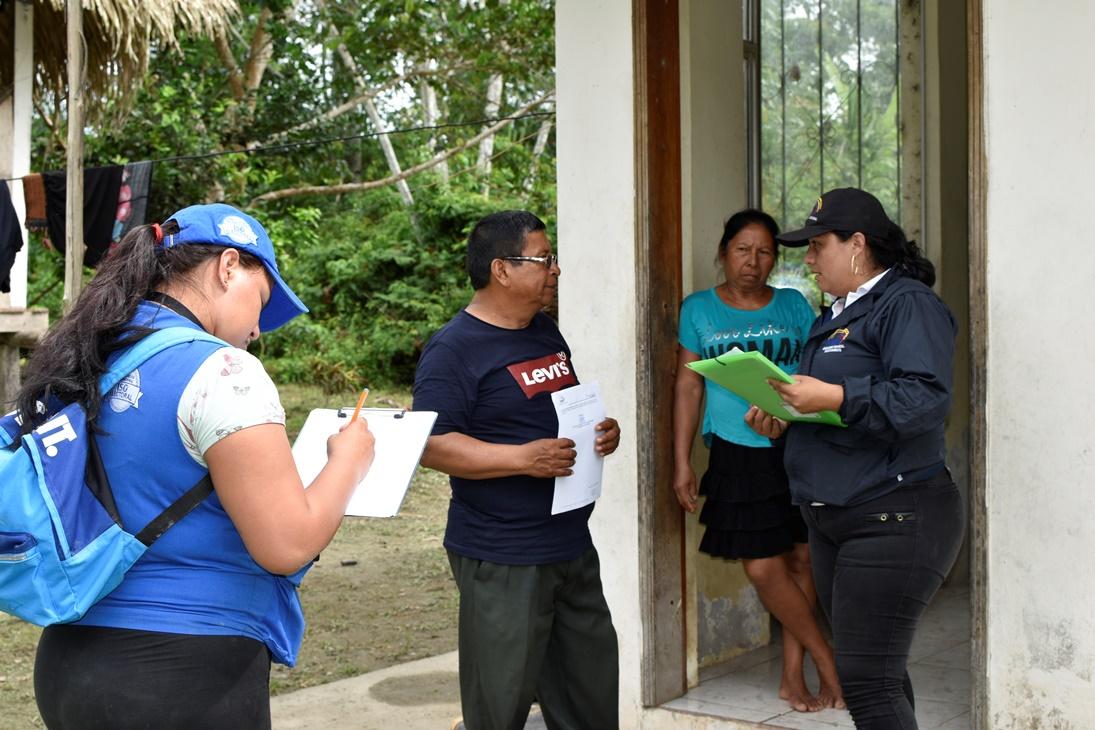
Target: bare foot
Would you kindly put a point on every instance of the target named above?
(830, 695)
(798, 697)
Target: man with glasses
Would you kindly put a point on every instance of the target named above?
(533, 621)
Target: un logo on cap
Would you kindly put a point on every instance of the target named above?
(237, 229)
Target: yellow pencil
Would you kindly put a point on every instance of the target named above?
(360, 402)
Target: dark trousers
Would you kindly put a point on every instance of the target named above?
(95, 678)
(536, 632)
(877, 566)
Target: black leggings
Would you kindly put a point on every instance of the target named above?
(877, 566)
(87, 678)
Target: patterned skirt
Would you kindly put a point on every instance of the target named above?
(748, 511)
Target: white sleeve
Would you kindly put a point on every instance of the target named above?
(230, 391)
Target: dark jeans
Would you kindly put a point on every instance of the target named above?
(877, 566)
(93, 678)
(538, 632)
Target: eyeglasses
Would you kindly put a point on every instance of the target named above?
(548, 261)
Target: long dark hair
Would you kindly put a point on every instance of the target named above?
(897, 252)
(67, 364)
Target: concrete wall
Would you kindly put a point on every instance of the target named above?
(725, 617)
(1040, 144)
(596, 243)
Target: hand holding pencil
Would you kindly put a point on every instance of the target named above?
(360, 402)
(354, 441)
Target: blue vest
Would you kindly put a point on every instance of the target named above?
(198, 578)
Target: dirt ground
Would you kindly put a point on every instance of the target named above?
(381, 593)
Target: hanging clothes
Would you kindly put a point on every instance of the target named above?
(11, 237)
(101, 187)
(34, 195)
(132, 199)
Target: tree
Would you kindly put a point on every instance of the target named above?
(354, 130)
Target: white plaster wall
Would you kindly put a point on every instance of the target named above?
(596, 243)
(1039, 107)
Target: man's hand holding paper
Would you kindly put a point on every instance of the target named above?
(582, 420)
(550, 457)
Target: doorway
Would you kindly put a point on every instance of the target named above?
(936, 197)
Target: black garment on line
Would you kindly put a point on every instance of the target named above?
(101, 186)
(11, 238)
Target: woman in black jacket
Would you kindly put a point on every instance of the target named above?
(886, 519)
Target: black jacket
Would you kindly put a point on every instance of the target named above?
(893, 351)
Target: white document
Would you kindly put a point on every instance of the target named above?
(579, 409)
(400, 440)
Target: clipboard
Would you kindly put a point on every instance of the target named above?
(400, 440)
(746, 375)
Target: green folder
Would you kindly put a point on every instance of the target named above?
(746, 374)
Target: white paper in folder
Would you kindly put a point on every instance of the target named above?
(400, 440)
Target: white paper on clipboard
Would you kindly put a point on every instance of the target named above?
(400, 440)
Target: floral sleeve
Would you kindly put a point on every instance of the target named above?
(230, 391)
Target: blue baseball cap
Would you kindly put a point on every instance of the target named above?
(218, 224)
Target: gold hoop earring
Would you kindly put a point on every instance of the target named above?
(855, 266)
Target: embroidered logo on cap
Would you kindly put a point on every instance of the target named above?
(236, 229)
(815, 211)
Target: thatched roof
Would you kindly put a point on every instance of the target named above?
(119, 34)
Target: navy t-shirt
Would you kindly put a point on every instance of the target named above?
(495, 384)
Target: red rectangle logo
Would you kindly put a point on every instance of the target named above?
(545, 374)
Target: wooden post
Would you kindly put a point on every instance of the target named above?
(22, 114)
(74, 199)
(15, 121)
(658, 181)
(979, 332)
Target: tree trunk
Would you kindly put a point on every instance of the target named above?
(377, 121)
(431, 113)
(486, 147)
(389, 151)
(392, 179)
(538, 150)
(74, 177)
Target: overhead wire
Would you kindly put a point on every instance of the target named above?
(290, 146)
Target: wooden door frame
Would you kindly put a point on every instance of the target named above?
(656, 28)
(659, 287)
(978, 323)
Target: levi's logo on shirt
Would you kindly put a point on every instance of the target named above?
(545, 374)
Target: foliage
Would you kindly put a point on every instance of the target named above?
(381, 271)
(829, 101)
(376, 293)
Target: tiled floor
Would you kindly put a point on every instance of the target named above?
(745, 688)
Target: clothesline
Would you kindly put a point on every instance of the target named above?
(289, 146)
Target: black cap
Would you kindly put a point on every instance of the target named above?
(843, 209)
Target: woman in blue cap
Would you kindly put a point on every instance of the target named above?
(186, 640)
(885, 517)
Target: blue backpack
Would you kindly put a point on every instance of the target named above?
(62, 545)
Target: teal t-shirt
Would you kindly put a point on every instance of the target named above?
(709, 327)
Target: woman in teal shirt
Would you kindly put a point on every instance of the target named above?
(748, 514)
